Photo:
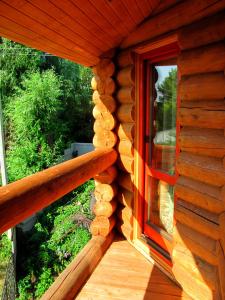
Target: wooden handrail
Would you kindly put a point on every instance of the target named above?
(68, 284)
(21, 199)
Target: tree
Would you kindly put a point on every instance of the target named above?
(36, 130)
(167, 100)
(15, 61)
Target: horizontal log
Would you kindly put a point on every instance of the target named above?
(206, 31)
(171, 19)
(202, 118)
(125, 147)
(197, 243)
(125, 198)
(105, 68)
(210, 58)
(208, 142)
(105, 118)
(204, 104)
(207, 215)
(222, 230)
(195, 288)
(221, 268)
(105, 102)
(125, 214)
(126, 113)
(104, 139)
(104, 87)
(209, 86)
(195, 266)
(200, 194)
(102, 225)
(125, 58)
(126, 163)
(21, 199)
(126, 181)
(126, 131)
(106, 122)
(205, 169)
(126, 95)
(126, 76)
(69, 282)
(107, 176)
(126, 230)
(196, 222)
(204, 151)
(105, 209)
(105, 192)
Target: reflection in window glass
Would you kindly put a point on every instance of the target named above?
(161, 205)
(164, 115)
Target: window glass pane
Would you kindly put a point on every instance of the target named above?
(161, 204)
(164, 117)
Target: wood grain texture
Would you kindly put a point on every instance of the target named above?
(205, 169)
(196, 222)
(23, 198)
(203, 195)
(197, 243)
(105, 209)
(104, 139)
(202, 118)
(124, 273)
(105, 192)
(195, 266)
(126, 148)
(69, 282)
(210, 58)
(126, 113)
(206, 31)
(209, 142)
(208, 86)
(107, 176)
(172, 19)
(102, 225)
(77, 30)
(126, 131)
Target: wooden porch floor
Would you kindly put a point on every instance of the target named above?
(123, 273)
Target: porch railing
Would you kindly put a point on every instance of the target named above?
(23, 198)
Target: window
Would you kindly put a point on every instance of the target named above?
(160, 144)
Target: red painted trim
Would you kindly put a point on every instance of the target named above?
(147, 59)
(141, 151)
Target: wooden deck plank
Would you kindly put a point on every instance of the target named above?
(124, 273)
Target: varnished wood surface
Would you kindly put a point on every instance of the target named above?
(21, 199)
(74, 29)
(123, 273)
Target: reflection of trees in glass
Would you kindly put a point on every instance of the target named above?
(166, 102)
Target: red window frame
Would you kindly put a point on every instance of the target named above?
(147, 60)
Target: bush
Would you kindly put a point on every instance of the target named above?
(58, 236)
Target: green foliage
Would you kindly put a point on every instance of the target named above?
(46, 105)
(15, 61)
(59, 234)
(5, 248)
(166, 106)
(36, 132)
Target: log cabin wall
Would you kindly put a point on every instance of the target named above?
(105, 106)
(198, 255)
(125, 131)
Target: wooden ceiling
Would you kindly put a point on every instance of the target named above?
(79, 30)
